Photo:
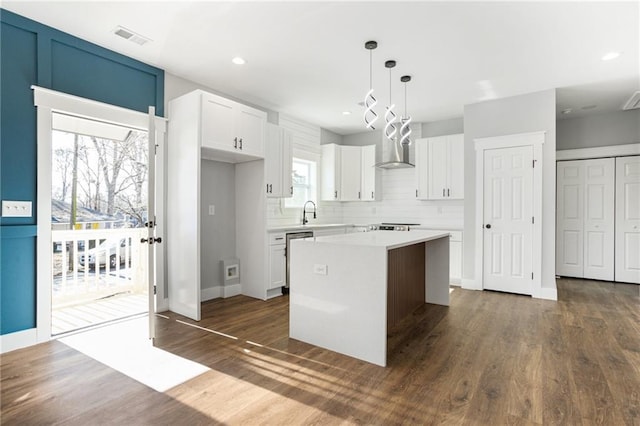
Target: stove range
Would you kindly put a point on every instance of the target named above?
(389, 226)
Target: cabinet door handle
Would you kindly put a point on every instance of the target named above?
(267, 188)
(235, 143)
(271, 188)
(372, 197)
(359, 195)
(443, 192)
(448, 192)
(240, 143)
(291, 190)
(416, 193)
(336, 195)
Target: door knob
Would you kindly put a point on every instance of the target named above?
(488, 226)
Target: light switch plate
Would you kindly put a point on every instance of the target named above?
(212, 210)
(320, 269)
(16, 208)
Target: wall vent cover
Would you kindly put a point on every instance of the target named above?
(131, 36)
(633, 102)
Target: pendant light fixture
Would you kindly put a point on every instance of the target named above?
(370, 101)
(405, 129)
(389, 116)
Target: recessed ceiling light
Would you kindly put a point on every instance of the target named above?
(567, 111)
(611, 55)
(346, 112)
(238, 61)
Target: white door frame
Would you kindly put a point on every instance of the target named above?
(535, 140)
(48, 101)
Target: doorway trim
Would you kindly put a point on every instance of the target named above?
(536, 141)
(48, 101)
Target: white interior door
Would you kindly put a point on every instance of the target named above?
(507, 217)
(569, 219)
(599, 218)
(627, 259)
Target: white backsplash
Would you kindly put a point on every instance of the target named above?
(398, 204)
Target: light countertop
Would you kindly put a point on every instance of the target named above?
(310, 226)
(385, 239)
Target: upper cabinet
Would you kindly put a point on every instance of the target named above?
(277, 162)
(440, 168)
(232, 127)
(348, 173)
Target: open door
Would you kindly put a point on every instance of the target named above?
(151, 240)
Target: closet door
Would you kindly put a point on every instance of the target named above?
(599, 218)
(627, 263)
(569, 218)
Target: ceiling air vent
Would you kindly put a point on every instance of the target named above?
(633, 102)
(131, 36)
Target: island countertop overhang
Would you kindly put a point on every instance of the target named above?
(388, 240)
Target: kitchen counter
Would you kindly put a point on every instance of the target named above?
(311, 227)
(347, 291)
(386, 239)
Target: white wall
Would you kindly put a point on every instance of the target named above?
(444, 127)
(519, 114)
(612, 128)
(217, 232)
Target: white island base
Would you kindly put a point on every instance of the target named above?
(347, 290)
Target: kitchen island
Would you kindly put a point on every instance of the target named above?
(347, 290)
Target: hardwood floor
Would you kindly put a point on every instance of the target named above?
(490, 358)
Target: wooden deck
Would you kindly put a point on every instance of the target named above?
(88, 314)
(488, 359)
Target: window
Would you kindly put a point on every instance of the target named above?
(304, 180)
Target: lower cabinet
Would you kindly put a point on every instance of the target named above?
(277, 266)
(455, 257)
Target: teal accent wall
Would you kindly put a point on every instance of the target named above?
(35, 54)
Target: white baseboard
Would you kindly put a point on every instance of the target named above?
(162, 305)
(470, 284)
(549, 293)
(210, 293)
(231, 290)
(220, 291)
(19, 339)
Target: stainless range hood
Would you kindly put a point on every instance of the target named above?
(398, 157)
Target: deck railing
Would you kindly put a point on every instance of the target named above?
(93, 264)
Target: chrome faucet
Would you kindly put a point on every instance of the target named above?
(304, 212)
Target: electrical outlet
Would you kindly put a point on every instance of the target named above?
(212, 210)
(320, 269)
(16, 208)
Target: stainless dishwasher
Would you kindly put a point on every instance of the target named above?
(292, 236)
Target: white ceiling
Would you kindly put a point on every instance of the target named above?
(308, 59)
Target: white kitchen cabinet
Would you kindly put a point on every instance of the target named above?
(348, 173)
(627, 257)
(440, 168)
(231, 126)
(585, 218)
(368, 173)
(277, 163)
(277, 266)
(455, 257)
(330, 168)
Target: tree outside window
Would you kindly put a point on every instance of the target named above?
(304, 180)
